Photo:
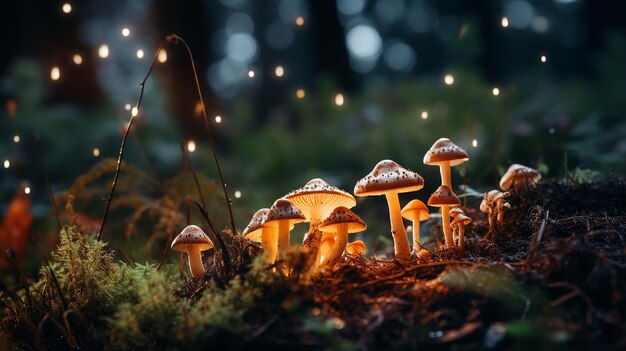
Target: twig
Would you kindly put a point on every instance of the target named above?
(218, 236)
(193, 173)
(44, 160)
(542, 228)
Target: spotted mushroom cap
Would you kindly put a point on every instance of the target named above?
(318, 195)
(519, 175)
(415, 209)
(356, 248)
(460, 219)
(191, 236)
(456, 211)
(342, 215)
(388, 176)
(283, 210)
(444, 150)
(443, 196)
(254, 229)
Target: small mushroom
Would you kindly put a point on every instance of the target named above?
(424, 255)
(459, 222)
(445, 154)
(519, 175)
(193, 241)
(443, 197)
(416, 211)
(267, 236)
(328, 241)
(494, 203)
(389, 178)
(342, 221)
(453, 213)
(283, 214)
(356, 247)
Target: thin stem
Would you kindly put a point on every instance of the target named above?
(195, 262)
(283, 236)
(341, 240)
(44, 160)
(400, 241)
(445, 222)
(416, 236)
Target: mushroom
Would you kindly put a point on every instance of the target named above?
(356, 247)
(453, 213)
(283, 214)
(341, 221)
(416, 211)
(424, 255)
(444, 198)
(193, 241)
(459, 222)
(317, 199)
(267, 236)
(493, 203)
(326, 245)
(389, 178)
(445, 154)
(519, 175)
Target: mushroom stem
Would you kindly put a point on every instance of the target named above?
(445, 221)
(341, 240)
(416, 236)
(269, 242)
(283, 236)
(444, 169)
(195, 262)
(461, 234)
(400, 241)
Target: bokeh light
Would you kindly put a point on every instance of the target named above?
(55, 73)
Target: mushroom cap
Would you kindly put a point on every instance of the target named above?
(356, 248)
(444, 150)
(519, 175)
(415, 210)
(443, 196)
(254, 229)
(283, 210)
(488, 199)
(191, 236)
(456, 211)
(317, 194)
(388, 176)
(342, 215)
(460, 219)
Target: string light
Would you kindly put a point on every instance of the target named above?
(77, 59)
(237, 194)
(543, 58)
(27, 190)
(191, 146)
(218, 119)
(55, 73)
(251, 73)
(66, 8)
(134, 111)
(339, 99)
(127, 107)
(96, 152)
(140, 54)
(7, 163)
(103, 51)
(162, 57)
(504, 22)
(495, 91)
(279, 71)
(125, 32)
(16, 139)
(448, 79)
(475, 143)
(424, 114)
(300, 21)
(300, 93)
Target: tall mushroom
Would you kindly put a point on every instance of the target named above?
(519, 175)
(341, 221)
(389, 178)
(282, 215)
(193, 241)
(444, 198)
(445, 154)
(317, 199)
(416, 211)
(267, 236)
(460, 221)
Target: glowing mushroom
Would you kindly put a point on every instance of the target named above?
(389, 178)
(445, 154)
(193, 241)
(283, 214)
(416, 211)
(341, 221)
(267, 236)
(356, 247)
(328, 241)
(453, 213)
(459, 222)
(444, 198)
(519, 175)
